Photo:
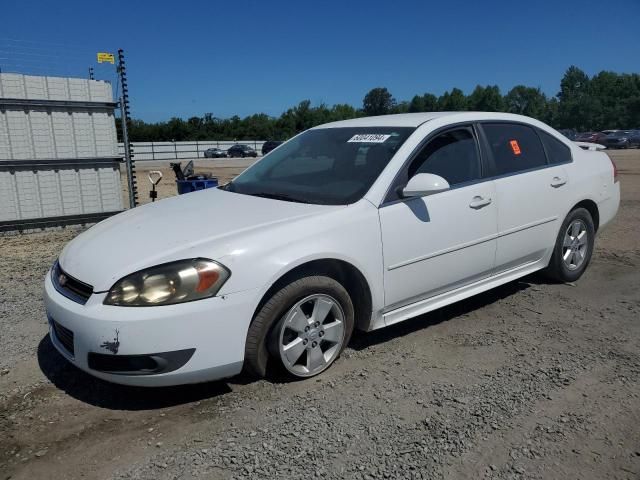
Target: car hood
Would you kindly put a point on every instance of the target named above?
(198, 224)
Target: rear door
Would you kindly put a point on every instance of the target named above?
(531, 190)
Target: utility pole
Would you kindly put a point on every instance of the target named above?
(125, 123)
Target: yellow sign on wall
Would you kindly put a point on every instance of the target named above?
(105, 57)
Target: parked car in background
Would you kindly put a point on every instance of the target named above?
(214, 153)
(270, 145)
(634, 139)
(362, 223)
(240, 150)
(591, 137)
(617, 139)
(569, 133)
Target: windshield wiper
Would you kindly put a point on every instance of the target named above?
(278, 196)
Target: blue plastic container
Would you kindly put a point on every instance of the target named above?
(187, 186)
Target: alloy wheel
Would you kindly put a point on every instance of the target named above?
(311, 335)
(575, 245)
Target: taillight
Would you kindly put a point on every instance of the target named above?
(615, 170)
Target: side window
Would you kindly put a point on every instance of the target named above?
(515, 147)
(453, 155)
(557, 152)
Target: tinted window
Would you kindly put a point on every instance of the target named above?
(334, 166)
(515, 147)
(557, 152)
(453, 155)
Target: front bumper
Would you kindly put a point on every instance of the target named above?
(210, 335)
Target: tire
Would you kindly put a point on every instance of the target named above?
(572, 251)
(272, 332)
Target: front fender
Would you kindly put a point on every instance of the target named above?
(351, 235)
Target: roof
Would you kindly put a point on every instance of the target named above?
(398, 120)
(416, 119)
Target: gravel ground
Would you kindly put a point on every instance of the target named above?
(530, 380)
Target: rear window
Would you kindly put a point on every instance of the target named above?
(557, 152)
(515, 148)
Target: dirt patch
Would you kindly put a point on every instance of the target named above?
(224, 169)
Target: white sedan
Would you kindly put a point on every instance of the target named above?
(355, 224)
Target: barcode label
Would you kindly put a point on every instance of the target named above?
(368, 138)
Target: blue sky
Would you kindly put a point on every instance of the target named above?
(244, 56)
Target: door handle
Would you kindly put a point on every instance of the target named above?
(558, 181)
(479, 202)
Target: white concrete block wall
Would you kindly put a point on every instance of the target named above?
(20, 144)
(83, 134)
(42, 134)
(47, 133)
(62, 127)
(28, 195)
(71, 197)
(15, 85)
(8, 199)
(57, 88)
(106, 138)
(12, 86)
(64, 133)
(5, 150)
(25, 194)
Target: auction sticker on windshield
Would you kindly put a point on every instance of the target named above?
(368, 138)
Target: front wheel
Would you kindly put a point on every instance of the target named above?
(302, 328)
(573, 248)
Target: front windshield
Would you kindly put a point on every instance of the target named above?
(330, 166)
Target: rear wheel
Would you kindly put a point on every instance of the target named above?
(574, 246)
(302, 328)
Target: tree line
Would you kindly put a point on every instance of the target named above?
(606, 100)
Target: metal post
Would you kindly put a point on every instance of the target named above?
(127, 157)
(125, 121)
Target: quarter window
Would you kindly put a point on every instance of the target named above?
(557, 152)
(515, 148)
(453, 155)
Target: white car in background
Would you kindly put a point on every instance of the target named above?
(362, 224)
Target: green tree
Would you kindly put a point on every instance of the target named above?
(455, 101)
(342, 111)
(527, 101)
(576, 106)
(423, 103)
(417, 104)
(606, 100)
(486, 99)
(378, 101)
(430, 102)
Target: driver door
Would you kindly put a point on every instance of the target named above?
(437, 243)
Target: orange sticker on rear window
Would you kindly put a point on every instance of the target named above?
(515, 147)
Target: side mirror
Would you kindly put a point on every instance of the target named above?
(424, 184)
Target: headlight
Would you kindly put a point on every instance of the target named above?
(175, 282)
